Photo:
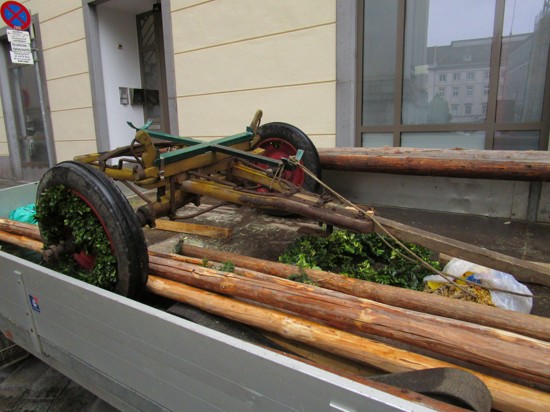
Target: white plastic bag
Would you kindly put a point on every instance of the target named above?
(491, 278)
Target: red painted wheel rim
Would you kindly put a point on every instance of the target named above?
(277, 148)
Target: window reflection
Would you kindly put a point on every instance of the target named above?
(446, 67)
(444, 140)
(380, 23)
(516, 140)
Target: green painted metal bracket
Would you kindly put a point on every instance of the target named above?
(202, 147)
(186, 141)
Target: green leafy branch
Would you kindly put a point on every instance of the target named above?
(371, 257)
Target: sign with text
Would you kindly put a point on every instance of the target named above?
(21, 52)
(21, 58)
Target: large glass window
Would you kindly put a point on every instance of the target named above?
(435, 45)
(524, 55)
(380, 22)
(449, 73)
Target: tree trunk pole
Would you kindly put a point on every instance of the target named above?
(516, 355)
(506, 395)
(527, 325)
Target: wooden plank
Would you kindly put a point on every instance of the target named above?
(523, 271)
(193, 228)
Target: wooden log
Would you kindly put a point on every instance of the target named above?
(20, 228)
(201, 230)
(523, 271)
(21, 241)
(506, 395)
(527, 325)
(503, 165)
(510, 353)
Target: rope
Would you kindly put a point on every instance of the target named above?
(414, 257)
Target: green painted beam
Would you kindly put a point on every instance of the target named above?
(198, 149)
(188, 141)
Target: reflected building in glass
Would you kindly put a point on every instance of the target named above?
(428, 81)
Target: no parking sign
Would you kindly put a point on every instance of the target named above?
(15, 15)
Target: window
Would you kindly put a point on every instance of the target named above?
(401, 82)
(379, 76)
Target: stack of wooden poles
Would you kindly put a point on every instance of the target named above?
(508, 351)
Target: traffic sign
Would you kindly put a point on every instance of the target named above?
(15, 15)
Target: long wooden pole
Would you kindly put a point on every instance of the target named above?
(510, 353)
(20, 228)
(527, 325)
(505, 165)
(21, 241)
(504, 393)
(507, 396)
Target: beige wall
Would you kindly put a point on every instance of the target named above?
(67, 76)
(231, 57)
(235, 56)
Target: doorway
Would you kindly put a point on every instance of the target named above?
(127, 55)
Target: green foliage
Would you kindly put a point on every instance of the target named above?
(227, 267)
(302, 277)
(63, 216)
(361, 256)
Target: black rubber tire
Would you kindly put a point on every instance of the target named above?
(299, 140)
(112, 208)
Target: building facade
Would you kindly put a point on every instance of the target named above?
(347, 72)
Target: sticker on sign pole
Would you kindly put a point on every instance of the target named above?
(15, 15)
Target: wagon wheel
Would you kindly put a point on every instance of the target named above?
(281, 140)
(90, 229)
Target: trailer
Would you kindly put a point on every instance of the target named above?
(140, 358)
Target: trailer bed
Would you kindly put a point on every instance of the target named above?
(140, 358)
